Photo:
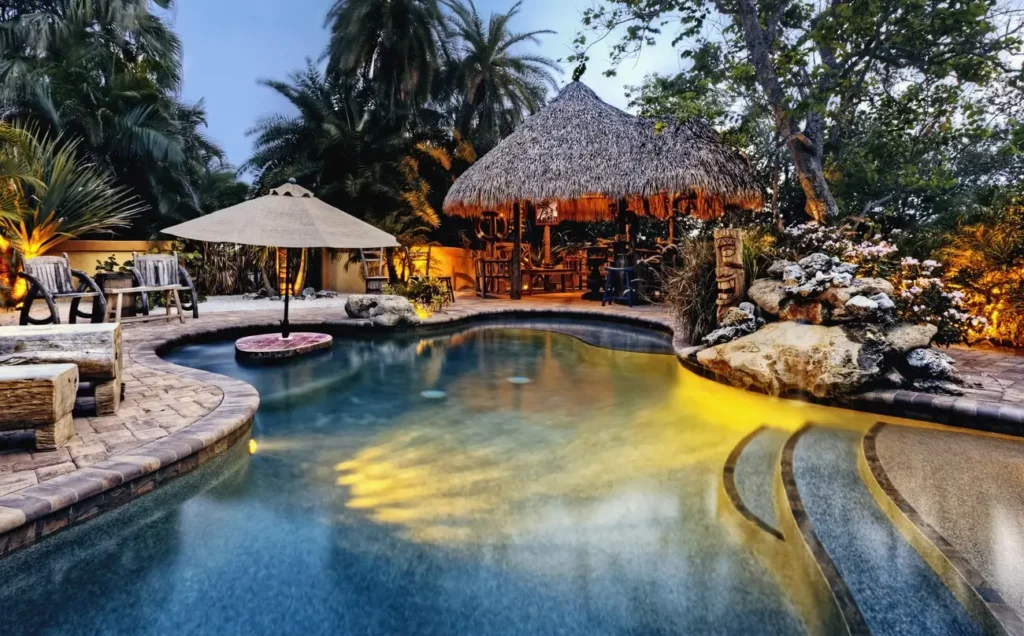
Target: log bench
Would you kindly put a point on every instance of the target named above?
(40, 397)
(95, 349)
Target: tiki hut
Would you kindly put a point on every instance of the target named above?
(588, 156)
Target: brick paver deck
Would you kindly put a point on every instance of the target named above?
(161, 399)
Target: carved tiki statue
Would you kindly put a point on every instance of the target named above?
(729, 272)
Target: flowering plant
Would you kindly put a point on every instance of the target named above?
(923, 297)
(812, 237)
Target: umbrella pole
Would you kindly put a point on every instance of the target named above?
(285, 332)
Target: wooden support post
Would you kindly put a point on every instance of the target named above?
(517, 251)
(547, 245)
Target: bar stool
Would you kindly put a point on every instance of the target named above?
(627, 294)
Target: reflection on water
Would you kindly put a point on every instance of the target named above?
(583, 501)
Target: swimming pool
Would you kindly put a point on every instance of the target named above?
(541, 477)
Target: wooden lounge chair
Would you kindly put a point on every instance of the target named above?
(374, 269)
(162, 272)
(51, 278)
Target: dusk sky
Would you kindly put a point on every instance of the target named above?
(230, 44)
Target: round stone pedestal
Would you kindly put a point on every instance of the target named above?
(271, 346)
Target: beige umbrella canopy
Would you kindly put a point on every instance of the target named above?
(290, 216)
(586, 155)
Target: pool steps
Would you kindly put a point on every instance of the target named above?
(981, 601)
(837, 584)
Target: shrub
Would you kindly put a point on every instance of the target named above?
(691, 291)
(427, 293)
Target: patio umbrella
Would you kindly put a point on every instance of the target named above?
(289, 217)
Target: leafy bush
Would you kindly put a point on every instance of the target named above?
(923, 297)
(427, 293)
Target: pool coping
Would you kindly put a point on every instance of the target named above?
(37, 511)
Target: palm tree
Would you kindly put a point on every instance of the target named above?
(392, 45)
(105, 72)
(495, 85)
(61, 197)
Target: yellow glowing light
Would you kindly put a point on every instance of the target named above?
(252, 446)
(423, 312)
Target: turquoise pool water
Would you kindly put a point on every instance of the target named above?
(491, 480)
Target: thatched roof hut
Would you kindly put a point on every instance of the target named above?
(587, 155)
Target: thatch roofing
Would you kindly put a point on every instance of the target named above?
(586, 155)
(290, 216)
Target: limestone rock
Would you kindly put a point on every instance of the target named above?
(931, 364)
(309, 293)
(942, 387)
(793, 275)
(905, 337)
(893, 379)
(838, 296)
(383, 310)
(734, 323)
(326, 293)
(778, 268)
(811, 311)
(690, 353)
(818, 262)
(748, 307)
(785, 357)
(767, 293)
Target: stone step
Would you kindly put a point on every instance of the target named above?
(881, 583)
(749, 477)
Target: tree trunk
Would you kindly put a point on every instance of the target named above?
(806, 147)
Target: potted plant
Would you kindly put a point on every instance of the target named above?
(111, 275)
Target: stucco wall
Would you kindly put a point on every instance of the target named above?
(84, 254)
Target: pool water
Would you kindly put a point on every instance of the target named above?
(491, 480)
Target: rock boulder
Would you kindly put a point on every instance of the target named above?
(383, 310)
(788, 357)
(905, 337)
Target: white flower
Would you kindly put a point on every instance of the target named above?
(908, 261)
(915, 290)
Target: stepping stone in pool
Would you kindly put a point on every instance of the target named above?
(434, 394)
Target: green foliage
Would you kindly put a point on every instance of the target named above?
(111, 264)
(423, 291)
(493, 85)
(107, 73)
(904, 109)
(60, 195)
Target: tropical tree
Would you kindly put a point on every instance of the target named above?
(391, 45)
(60, 195)
(820, 68)
(106, 72)
(494, 84)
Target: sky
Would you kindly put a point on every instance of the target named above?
(230, 44)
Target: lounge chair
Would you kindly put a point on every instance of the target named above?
(51, 278)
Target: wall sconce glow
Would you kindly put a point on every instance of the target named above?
(252, 446)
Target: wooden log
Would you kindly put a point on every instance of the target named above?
(40, 397)
(95, 349)
(108, 397)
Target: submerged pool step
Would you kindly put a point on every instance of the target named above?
(882, 583)
(749, 477)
